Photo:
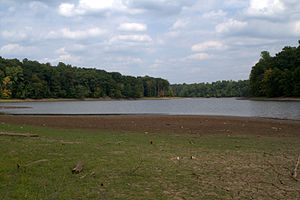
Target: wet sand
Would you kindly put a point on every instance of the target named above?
(170, 124)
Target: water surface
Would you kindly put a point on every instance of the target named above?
(197, 106)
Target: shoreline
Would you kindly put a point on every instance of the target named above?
(87, 99)
(194, 125)
(296, 99)
(13, 107)
(138, 114)
(269, 99)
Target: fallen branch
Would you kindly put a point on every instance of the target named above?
(136, 168)
(78, 168)
(19, 134)
(294, 174)
(35, 162)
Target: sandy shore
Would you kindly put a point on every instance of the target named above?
(191, 125)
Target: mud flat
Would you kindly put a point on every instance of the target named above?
(171, 124)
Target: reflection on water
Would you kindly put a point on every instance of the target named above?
(197, 106)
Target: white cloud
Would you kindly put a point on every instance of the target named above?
(14, 35)
(235, 3)
(77, 34)
(132, 27)
(66, 9)
(128, 60)
(87, 6)
(11, 48)
(230, 25)
(16, 50)
(133, 38)
(92, 32)
(181, 23)
(165, 7)
(95, 4)
(63, 56)
(265, 7)
(199, 56)
(61, 51)
(296, 28)
(209, 45)
(251, 41)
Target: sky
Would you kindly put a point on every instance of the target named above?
(188, 41)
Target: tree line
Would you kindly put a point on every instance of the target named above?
(277, 76)
(214, 89)
(31, 79)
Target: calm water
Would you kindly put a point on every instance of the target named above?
(198, 106)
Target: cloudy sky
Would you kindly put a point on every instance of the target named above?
(179, 40)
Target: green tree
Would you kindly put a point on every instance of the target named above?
(276, 76)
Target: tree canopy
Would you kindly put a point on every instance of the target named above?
(215, 89)
(31, 79)
(277, 76)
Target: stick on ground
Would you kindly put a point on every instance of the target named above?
(19, 134)
(296, 167)
(37, 161)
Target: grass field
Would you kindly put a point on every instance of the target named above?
(145, 166)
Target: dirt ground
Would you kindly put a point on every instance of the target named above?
(172, 124)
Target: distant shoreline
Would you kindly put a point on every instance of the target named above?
(88, 99)
(145, 98)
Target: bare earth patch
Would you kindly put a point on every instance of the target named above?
(191, 125)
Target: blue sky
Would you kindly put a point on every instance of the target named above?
(182, 41)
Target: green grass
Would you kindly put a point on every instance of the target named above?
(127, 166)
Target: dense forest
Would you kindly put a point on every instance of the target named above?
(31, 79)
(215, 89)
(277, 76)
